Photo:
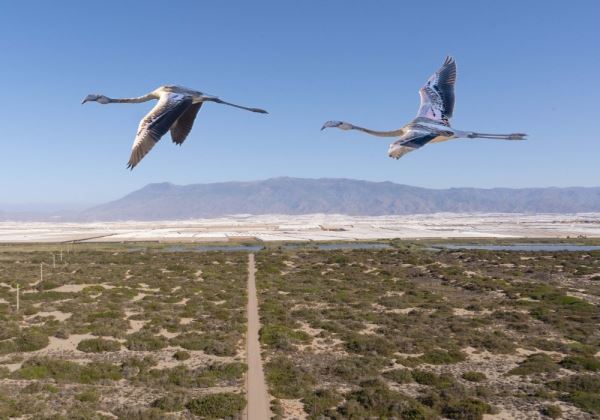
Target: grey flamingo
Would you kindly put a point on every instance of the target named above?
(176, 111)
(432, 124)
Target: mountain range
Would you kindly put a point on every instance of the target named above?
(165, 201)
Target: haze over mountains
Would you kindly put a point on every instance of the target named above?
(166, 201)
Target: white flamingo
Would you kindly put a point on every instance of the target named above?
(432, 124)
(175, 111)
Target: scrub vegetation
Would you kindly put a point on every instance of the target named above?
(115, 330)
(144, 331)
(417, 333)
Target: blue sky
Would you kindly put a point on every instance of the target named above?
(529, 66)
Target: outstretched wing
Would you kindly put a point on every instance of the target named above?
(184, 124)
(156, 124)
(408, 143)
(437, 95)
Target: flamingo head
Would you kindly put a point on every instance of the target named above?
(338, 124)
(96, 98)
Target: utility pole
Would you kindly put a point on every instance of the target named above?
(53, 260)
(18, 297)
(41, 272)
(61, 255)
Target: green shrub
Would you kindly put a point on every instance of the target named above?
(368, 345)
(282, 337)
(576, 383)
(62, 333)
(552, 411)
(103, 315)
(424, 377)
(181, 355)
(136, 413)
(8, 330)
(31, 340)
(581, 390)
(217, 405)
(473, 376)
(579, 363)
(496, 342)
(375, 400)
(318, 403)
(170, 402)
(535, 363)
(466, 409)
(88, 396)
(145, 341)
(442, 357)
(400, 376)
(286, 380)
(65, 371)
(8, 408)
(98, 345)
(587, 401)
(356, 368)
(219, 346)
(36, 387)
(133, 366)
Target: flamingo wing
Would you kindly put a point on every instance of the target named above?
(182, 127)
(437, 95)
(159, 120)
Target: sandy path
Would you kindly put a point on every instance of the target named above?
(256, 387)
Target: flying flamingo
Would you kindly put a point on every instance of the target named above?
(175, 111)
(432, 124)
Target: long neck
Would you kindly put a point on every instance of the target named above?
(394, 133)
(137, 100)
(220, 101)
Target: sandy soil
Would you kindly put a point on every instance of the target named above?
(293, 409)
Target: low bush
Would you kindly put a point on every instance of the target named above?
(552, 411)
(170, 402)
(88, 396)
(424, 377)
(31, 340)
(466, 409)
(286, 380)
(375, 400)
(144, 341)
(473, 376)
(219, 405)
(98, 345)
(535, 363)
(282, 337)
(181, 355)
(400, 376)
(579, 363)
(65, 371)
(442, 357)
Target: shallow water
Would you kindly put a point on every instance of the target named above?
(521, 247)
(339, 246)
(206, 248)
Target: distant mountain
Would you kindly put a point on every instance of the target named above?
(343, 196)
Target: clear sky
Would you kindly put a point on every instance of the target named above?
(523, 66)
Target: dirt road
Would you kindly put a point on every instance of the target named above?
(256, 387)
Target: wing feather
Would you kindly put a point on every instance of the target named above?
(437, 95)
(182, 127)
(156, 124)
(409, 143)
